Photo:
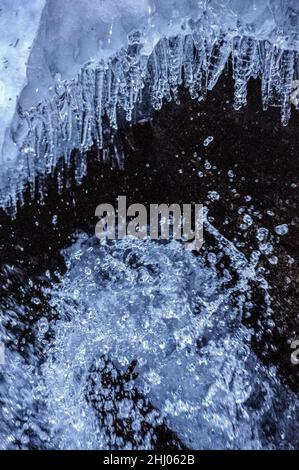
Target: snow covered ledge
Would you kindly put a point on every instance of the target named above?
(93, 58)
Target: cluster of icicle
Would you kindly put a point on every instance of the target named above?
(74, 116)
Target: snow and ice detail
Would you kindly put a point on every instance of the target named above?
(176, 42)
(73, 117)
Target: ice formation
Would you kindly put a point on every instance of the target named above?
(19, 22)
(129, 317)
(92, 59)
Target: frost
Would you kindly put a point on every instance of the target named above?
(19, 22)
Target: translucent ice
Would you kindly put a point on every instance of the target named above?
(19, 23)
(91, 59)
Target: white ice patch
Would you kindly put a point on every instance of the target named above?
(19, 22)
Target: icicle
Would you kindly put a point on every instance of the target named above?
(279, 79)
(244, 66)
(160, 84)
(87, 100)
(60, 181)
(220, 52)
(111, 107)
(266, 50)
(188, 61)
(75, 115)
(175, 57)
(99, 86)
(199, 88)
(286, 78)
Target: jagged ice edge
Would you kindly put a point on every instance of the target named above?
(74, 116)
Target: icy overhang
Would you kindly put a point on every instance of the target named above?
(63, 53)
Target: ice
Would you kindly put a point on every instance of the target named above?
(141, 334)
(91, 59)
(19, 23)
